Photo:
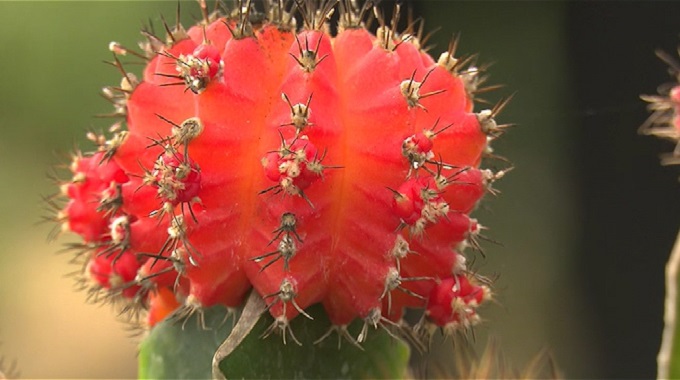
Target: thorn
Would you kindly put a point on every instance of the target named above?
(342, 333)
(393, 281)
(168, 32)
(286, 250)
(204, 12)
(282, 324)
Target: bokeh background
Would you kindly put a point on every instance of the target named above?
(586, 220)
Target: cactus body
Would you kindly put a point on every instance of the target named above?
(339, 170)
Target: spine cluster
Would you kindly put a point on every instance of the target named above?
(664, 122)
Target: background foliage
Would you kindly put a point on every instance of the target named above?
(587, 219)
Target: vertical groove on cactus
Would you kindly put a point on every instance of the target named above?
(258, 150)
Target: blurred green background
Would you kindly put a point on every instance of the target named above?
(586, 220)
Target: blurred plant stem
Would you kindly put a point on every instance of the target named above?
(669, 355)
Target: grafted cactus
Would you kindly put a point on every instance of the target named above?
(258, 150)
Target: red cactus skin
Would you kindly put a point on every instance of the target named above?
(116, 272)
(162, 303)
(313, 168)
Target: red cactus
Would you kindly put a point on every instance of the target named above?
(316, 169)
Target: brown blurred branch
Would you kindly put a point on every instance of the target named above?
(670, 312)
